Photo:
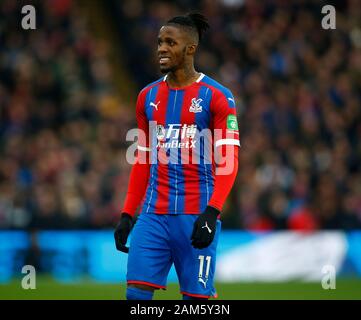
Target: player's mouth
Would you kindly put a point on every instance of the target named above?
(164, 60)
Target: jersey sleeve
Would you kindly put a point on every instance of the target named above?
(143, 127)
(226, 143)
(139, 175)
(224, 119)
(224, 182)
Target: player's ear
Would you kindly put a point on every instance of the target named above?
(191, 49)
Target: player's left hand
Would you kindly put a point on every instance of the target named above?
(122, 231)
(204, 228)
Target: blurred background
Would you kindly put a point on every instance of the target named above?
(67, 100)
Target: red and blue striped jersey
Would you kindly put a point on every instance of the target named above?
(177, 124)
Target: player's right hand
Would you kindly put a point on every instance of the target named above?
(122, 231)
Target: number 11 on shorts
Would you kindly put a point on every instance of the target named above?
(201, 264)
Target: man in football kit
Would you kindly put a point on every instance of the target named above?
(182, 194)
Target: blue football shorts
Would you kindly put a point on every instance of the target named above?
(159, 240)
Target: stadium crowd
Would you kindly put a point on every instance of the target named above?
(62, 129)
(297, 87)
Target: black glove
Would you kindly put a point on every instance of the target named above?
(204, 228)
(122, 231)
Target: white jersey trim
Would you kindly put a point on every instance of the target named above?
(222, 142)
(143, 148)
(198, 80)
(200, 77)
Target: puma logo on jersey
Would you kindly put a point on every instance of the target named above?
(206, 226)
(203, 281)
(152, 104)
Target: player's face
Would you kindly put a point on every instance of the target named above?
(172, 45)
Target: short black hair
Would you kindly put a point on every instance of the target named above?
(195, 21)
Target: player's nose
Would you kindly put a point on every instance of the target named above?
(162, 49)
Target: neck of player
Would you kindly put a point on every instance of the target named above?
(182, 77)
